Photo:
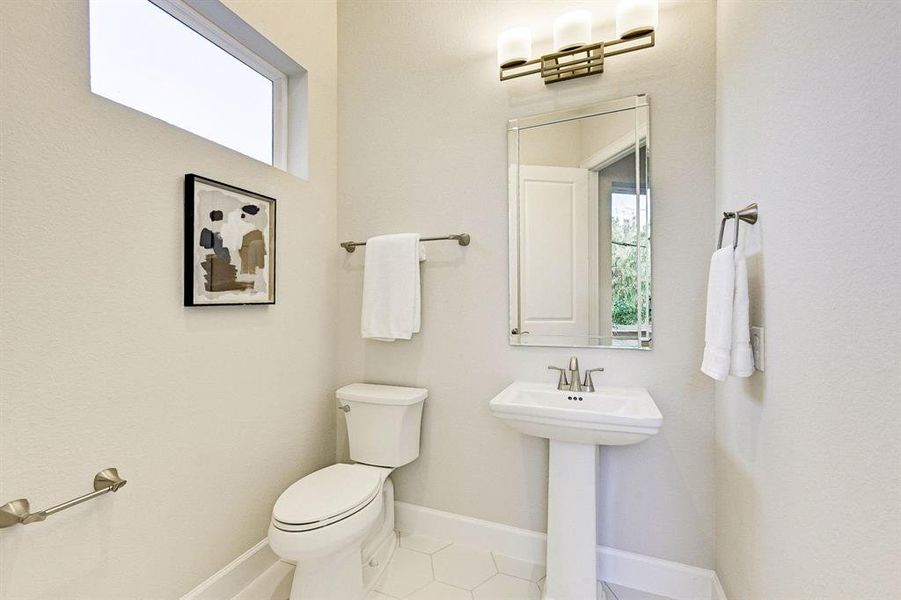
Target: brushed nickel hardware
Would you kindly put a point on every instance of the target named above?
(516, 331)
(588, 384)
(574, 384)
(570, 378)
(14, 512)
(581, 62)
(344, 407)
(562, 382)
(19, 511)
(747, 214)
(462, 238)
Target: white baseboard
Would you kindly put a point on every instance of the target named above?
(236, 575)
(655, 575)
(486, 535)
(637, 571)
(646, 573)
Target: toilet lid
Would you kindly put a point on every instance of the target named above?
(326, 494)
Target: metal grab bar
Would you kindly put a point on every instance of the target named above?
(19, 511)
(462, 238)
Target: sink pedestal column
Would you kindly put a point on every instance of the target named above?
(571, 522)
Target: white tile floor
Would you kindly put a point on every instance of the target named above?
(424, 568)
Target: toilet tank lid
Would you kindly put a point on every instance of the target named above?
(381, 394)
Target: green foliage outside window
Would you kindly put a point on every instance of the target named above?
(624, 277)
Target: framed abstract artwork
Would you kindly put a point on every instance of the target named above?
(229, 244)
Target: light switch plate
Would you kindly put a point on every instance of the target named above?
(757, 347)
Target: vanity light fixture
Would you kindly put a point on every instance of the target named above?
(575, 55)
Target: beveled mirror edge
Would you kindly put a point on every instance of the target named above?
(514, 126)
(513, 233)
(588, 110)
(518, 344)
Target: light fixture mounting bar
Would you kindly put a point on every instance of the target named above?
(581, 62)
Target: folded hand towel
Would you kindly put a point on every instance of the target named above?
(718, 335)
(742, 361)
(391, 291)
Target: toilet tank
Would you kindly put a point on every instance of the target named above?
(383, 422)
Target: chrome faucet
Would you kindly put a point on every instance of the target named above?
(570, 378)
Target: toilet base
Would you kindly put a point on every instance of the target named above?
(337, 576)
(352, 572)
(377, 563)
(378, 548)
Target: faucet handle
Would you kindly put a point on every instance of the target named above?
(563, 382)
(589, 383)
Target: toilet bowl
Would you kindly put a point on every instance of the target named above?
(337, 523)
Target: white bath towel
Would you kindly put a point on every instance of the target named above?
(718, 333)
(742, 361)
(391, 290)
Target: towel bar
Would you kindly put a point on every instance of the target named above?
(462, 238)
(19, 511)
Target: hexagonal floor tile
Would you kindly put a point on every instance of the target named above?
(408, 571)
(440, 591)
(505, 587)
(462, 566)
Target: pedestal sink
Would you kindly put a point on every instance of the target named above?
(575, 423)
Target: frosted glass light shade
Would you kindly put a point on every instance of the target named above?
(635, 17)
(572, 30)
(514, 47)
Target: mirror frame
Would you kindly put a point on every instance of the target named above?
(514, 126)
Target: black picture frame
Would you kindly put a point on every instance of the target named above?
(192, 244)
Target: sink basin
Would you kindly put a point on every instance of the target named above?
(609, 416)
(575, 423)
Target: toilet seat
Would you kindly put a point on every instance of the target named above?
(327, 496)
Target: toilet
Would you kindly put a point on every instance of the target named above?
(337, 523)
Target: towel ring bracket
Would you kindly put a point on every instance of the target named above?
(747, 214)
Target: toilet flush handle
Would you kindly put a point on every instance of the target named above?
(344, 407)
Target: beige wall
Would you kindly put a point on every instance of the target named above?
(572, 143)
(209, 412)
(552, 145)
(808, 453)
(422, 138)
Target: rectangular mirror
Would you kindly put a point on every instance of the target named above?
(580, 227)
